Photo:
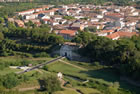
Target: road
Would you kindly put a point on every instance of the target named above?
(40, 65)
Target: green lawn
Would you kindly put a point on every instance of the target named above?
(8, 70)
(64, 68)
(70, 70)
(33, 61)
(104, 75)
(89, 90)
(66, 92)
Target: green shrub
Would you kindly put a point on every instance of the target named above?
(50, 84)
(45, 68)
(25, 62)
(96, 63)
(10, 80)
(42, 54)
(27, 55)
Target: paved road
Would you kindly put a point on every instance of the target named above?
(40, 65)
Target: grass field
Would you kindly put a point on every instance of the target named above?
(89, 90)
(105, 75)
(8, 70)
(66, 92)
(34, 61)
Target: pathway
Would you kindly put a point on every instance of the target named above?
(63, 83)
(29, 88)
(40, 65)
(73, 65)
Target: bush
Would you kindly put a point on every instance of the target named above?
(4, 54)
(55, 56)
(24, 78)
(45, 68)
(96, 63)
(10, 80)
(50, 84)
(42, 54)
(28, 55)
(3, 65)
(116, 85)
(25, 62)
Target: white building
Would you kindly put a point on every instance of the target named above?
(99, 16)
(136, 13)
(68, 50)
(60, 75)
(31, 11)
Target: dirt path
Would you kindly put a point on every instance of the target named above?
(73, 65)
(63, 83)
(39, 71)
(29, 88)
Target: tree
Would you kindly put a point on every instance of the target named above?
(1, 20)
(50, 84)
(90, 29)
(1, 36)
(10, 80)
(84, 38)
(68, 17)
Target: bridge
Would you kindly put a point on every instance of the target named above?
(40, 65)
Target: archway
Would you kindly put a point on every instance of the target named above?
(65, 54)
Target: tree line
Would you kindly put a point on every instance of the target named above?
(32, 39)
(96, 2)
(123, 54)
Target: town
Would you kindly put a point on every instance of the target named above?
(69, 47)
(113, 22)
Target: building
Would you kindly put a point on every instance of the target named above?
(121, 34)
(19, 23)
(68, 49)
(60, 75)
(30, 16)
(67, 34)
(77, 26)
(31, 11)
(105, 32)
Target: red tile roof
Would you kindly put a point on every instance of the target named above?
(46, 19)
(114, 35)
(26, 11)
(68, 32)
(126, 34)
(121, 34)
(113, 14)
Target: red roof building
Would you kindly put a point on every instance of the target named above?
(67, 34)
(121, 34)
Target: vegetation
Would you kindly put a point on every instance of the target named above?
(68, 17)
(123, 54)
(9, 9)
(109, 59)
(103, 79)
(38, 39)
(96, 2)
(50, 84)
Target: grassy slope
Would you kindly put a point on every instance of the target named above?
(102, 74)
(66, 92)
(8, 70)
